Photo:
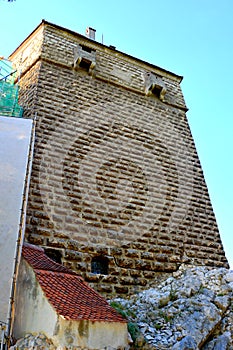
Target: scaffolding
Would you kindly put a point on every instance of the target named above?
(9, 92)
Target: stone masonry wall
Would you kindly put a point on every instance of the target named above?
(115, 172)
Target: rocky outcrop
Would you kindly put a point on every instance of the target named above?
(191, 310)
(34, 342)
(41, 342)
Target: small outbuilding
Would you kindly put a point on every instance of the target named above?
(54, 300)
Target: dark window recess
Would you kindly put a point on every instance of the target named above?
(99, 265)
(85, 64)
(156, 90)
(86, 48)
(54, 254)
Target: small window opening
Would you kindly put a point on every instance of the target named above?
(156, 90)
(99, 265)
(54, 254)
(85, 64)
(86, 48)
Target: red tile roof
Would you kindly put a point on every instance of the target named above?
(68, 293)
(38, 260)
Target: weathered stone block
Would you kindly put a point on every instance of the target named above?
(121, 289)
(73, 255)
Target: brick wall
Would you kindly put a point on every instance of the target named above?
(115, 172)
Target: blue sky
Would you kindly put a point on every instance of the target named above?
(191, 38)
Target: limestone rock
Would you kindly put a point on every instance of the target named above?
(220, 343)
(190, 310)
(34, 342)
(187, 343)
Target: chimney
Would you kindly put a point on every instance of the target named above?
(90, 33)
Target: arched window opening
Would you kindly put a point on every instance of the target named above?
(99, 265)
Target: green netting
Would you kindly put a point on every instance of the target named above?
(7, 73)
(8, 91)
(9, 100)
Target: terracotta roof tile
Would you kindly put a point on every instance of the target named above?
(66, 291)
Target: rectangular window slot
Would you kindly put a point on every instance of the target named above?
(86, 48)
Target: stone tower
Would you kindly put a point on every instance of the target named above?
(117, 191)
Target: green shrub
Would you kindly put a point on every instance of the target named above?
(133, 330)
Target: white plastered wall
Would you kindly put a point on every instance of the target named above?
(33, 313)
(15, 139)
